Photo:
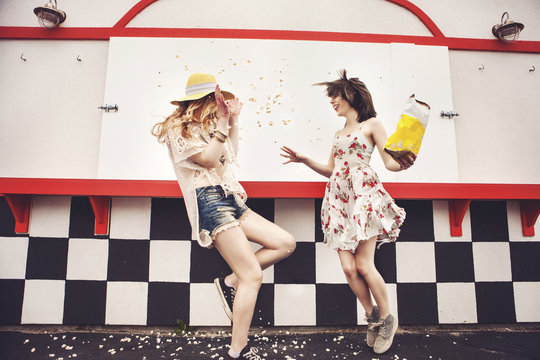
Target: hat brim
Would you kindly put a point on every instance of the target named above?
(227, 95)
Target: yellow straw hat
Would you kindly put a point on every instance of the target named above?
(198, 86)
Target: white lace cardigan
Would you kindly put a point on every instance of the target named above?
(191, 175)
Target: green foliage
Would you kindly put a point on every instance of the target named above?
(183, 329)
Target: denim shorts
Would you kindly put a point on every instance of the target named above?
(217, 210)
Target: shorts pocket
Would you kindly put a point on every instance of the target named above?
(213, 195)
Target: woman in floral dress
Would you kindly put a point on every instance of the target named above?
(357, 212)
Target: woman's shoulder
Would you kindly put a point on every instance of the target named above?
(372, 124)
(371, 121)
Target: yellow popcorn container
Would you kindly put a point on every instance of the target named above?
(410, 129)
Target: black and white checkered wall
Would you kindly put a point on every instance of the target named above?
(146, 272)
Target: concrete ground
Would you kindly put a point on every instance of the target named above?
(147, 343)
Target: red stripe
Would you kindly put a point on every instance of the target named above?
(62, 33)
(169, 188)
(8, 32)
(275, 35)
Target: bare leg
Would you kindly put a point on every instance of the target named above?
(356, 282)
(277, 244)
(365, 265)
(237, 252)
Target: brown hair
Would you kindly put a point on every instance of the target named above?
(184, 115)
(354, 91)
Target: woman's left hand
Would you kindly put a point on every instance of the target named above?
(222, 108)
(234, 107)
(406, 161)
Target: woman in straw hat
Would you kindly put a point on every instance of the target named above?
(202, 139)
(356, 210)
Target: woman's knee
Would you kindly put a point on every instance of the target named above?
(288, 244)
(364, 267)
(350, 271)
(252, 276)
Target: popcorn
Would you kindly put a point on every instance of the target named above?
(410, 129)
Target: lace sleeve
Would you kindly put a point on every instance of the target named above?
(182, 148)
(231, 154)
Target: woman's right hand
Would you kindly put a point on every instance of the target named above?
(291, 155)
(406, 161)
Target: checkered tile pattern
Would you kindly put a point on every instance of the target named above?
(148, 272)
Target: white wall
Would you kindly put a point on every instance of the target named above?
(499, 124)
(49, 121)
(455, 18)
(474, 19)
(53, 131)
(79, 13)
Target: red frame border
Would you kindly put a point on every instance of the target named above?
(260, 189)
(120, 30)
(18, 193)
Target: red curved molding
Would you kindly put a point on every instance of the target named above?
(134, 11)
(421, 15)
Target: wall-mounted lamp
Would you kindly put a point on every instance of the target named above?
(507, 31)
(49, 16)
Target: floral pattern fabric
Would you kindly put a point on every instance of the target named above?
(356, 207)
(191, 175)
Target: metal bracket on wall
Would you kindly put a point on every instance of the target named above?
(448, 114)
(109, 108)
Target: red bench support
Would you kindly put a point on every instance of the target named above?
(529, 213)
(20, 208)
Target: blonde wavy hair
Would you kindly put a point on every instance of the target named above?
(184, 115)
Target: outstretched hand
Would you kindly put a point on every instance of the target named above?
(291, 155)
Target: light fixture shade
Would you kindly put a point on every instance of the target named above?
(49, 16)
(507, 31)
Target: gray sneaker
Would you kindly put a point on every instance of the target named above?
(386, 334)
(249, 354)
(373, 323)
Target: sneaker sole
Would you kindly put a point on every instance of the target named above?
(228, 311)
(389, 342)
(372, 342)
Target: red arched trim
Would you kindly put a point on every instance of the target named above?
(134, 11)
(421, 15)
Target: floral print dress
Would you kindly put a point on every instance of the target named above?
(356, 207)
